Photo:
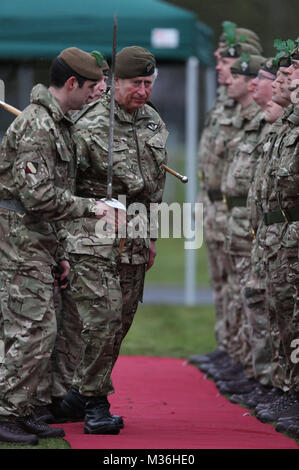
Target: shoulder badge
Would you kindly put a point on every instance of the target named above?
(152, 126)
(31, 167)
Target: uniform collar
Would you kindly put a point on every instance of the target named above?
(42, 96)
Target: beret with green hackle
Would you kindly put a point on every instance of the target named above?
(81, 62)
(248, 65)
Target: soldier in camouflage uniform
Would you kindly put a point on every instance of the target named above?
(254, 289)
(107, 280)
(37, 176)
(241, 160)
(281, 217)
(58, 378)
(217, 132)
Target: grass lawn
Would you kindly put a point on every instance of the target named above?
(171, 331)
(169, 266)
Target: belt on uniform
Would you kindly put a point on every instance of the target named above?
(215, 195)
(282, 215)
(12, 205)
(235, 201)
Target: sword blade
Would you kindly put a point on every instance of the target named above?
(111, 116)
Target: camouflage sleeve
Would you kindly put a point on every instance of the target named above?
(34, 171)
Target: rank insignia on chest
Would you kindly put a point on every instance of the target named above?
(31, 167)
(152, 126)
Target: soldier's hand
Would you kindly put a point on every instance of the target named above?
(152, 255)
(62, 274)
(113, 215)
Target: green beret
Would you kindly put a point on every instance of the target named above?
(248, 65)
(81, 62)
(134, 61)
(270, 66)
(234, 51)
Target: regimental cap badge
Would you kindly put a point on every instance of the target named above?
(244, 66)
(232, 51)
(149, 68)
(244, 61)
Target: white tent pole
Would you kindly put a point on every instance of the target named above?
(25, 84)
(191, 120)
(210, 88)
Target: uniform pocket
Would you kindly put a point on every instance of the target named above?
(30, 293)
(157, 144)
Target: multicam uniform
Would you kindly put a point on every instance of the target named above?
(280, 204)
(279, 291)
(37, 176)
(243, 152)
(217, 132)
(254, 291)
(107, 289)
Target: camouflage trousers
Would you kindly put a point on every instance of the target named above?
(107, 299)
(239, 347)
(285, 282)
(65, 356)
(254, 298)
(218, 272)
(280, 305)
(29, 320)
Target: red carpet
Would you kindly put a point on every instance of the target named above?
(168, 404)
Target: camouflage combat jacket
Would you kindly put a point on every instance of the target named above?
(37, 169)
(287, 182)
(270, 199)
(218, 130)
(138, 156)
(254, 205)
(243, 154)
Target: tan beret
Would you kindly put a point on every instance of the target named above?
(235, 50)
(134, 61)
(248, 65)
(82, 63)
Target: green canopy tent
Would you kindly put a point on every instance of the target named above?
(40, 29)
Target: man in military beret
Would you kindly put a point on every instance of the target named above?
(281, 215)
(37, 181)
(217, 132)
(240, 166)
(107, 278)
(253, 291)
(58, 379)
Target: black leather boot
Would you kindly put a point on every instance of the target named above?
(97, 417)
(31, 425)
(13, 432)
(72, 408)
